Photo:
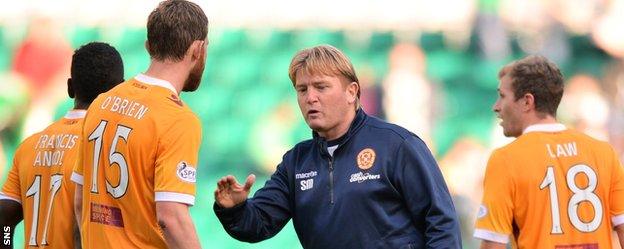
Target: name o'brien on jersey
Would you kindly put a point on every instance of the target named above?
(124, 107)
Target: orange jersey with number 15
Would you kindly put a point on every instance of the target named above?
(39, 180)
(140, 145)
(552, 188)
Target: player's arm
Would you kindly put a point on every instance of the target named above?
(174, 180)
(492, 245)
(175, 221)
(77, 214)
(11, 215)
(78, 204)
(620, 232)
(426, 196)
(76, 237)
(616, 204)
(11, 212)
(495, 217)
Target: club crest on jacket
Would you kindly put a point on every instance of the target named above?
(366, 158)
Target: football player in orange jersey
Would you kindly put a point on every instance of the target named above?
(552, 187)
(137, 166)
(38, 187)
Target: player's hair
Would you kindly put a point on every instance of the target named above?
(172, 27)
(325, 60)
(95, 68)
(538, 76)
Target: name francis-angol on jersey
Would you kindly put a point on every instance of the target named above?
(124, 107)
(51, 149)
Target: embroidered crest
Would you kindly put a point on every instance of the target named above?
(366, 158)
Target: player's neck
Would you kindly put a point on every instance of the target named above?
(173, 72)
(536, 119)
(340, 129)
(79, 105)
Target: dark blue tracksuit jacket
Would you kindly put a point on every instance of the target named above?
(381, 189)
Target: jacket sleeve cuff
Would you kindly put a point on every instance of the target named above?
(229, 214)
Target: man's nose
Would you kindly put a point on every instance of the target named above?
(311, 96)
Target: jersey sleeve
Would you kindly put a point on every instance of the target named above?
(617, 192)
(11, 188)
(495, 215)
(77, 175)
(176, 162)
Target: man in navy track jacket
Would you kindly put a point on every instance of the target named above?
(359, 183)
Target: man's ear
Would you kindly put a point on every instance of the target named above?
(198, 49)
(352, 90)
(70, 88)
(528, 102)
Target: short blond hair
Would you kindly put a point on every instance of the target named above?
(325, 60)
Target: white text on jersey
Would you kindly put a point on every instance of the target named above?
(563, 150)
(124, 107)
(56, 141)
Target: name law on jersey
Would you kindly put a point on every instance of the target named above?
(562, 150)
(124, 107)
(51, 148)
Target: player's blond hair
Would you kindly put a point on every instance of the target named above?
(325, 60)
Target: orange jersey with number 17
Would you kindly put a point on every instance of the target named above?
(39, 180)
(552, 188)
(140, 145)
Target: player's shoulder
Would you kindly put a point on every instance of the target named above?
(187, 118)
(521, 144)
(509, 153)
(177, 121)
(588, 141)
(173, 104)
(28, 144)
(580, 136)
(61, 126)
(52, 128)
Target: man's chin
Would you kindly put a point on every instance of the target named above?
(315, 126)
(511, 134)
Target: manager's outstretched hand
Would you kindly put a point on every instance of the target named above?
(230, 193)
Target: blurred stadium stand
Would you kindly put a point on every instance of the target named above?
(246, 88)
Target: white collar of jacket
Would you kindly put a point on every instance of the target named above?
(545, 128)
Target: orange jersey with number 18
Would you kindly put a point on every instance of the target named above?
(140, 145)
(39, 180)
(552, 188)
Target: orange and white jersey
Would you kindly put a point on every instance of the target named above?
(39, 180)
(139, 146)
(552, 188)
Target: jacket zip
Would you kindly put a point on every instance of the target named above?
(331, 180)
